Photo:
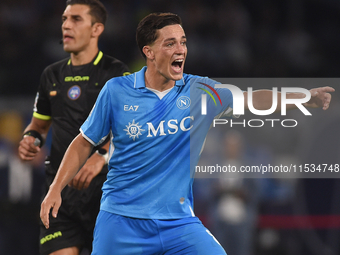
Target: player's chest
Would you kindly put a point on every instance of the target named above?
(148, 116)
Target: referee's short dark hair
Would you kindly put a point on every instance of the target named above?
(147, 28)
(97, 9)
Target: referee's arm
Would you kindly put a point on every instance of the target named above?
(74, 158)
(27, 148)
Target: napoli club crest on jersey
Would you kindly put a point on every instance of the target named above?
(183, 102)
(74, 92)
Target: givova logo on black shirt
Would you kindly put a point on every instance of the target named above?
(77, 78)
(50, 237)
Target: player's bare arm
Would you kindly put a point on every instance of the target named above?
(28, 148)
(74, 158)
(262, 99)
(91, 169)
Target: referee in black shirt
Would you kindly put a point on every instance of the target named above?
(67, 92)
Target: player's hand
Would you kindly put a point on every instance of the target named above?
(91, 169)
(320, 97)
(27, 150)
(52, 200)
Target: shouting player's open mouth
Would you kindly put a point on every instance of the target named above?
(177, 65)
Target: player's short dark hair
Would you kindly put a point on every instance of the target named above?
(97, 9)
(147, 28)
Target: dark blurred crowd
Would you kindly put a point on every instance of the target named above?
(226, 38)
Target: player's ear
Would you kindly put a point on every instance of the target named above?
(147, 50)
(97, 29)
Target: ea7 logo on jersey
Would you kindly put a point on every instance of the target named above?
(131, 107)
(133, 130)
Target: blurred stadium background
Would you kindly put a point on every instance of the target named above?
(226, 38)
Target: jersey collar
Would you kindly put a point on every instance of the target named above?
(95, 61)
(140, 81)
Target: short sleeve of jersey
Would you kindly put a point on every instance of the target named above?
(42, 106)
(219, 101)
(98, 124)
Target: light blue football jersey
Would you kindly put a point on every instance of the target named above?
(157, 143)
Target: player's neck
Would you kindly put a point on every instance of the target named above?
(155, 80)
(83, 57)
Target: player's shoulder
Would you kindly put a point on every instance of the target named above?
(118, 87)
(192, 78)
(125, 81)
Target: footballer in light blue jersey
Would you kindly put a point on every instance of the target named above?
(157, 143)
(156, 124)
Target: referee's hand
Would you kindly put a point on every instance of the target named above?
(51, 201)
(27, 149)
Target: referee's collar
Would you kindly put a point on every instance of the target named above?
(140, 80)
(95, 61)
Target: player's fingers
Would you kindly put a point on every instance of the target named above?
(321, 91)
(327, 101)
(328, 89)
(44, 214)
(55, 209)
